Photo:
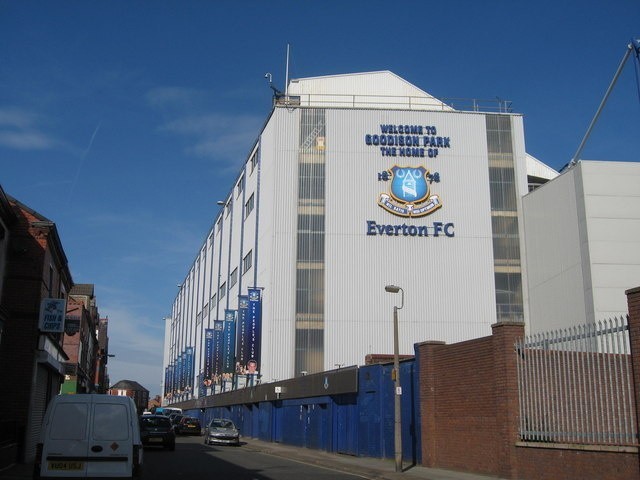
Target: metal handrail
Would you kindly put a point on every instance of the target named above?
(341, 100)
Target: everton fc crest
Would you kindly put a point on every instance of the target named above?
(409, 195)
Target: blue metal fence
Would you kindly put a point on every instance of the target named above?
(359, 423)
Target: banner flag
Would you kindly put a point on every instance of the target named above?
(178, 384)
(208, 353)
(183, 371)
(228, 365)
(242, 348)
(189, 367)
(255, 330)
(168, 379)
(218, 327)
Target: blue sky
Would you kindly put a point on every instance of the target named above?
(125, 121)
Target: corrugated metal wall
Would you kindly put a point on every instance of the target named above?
(358, 423)
(448, 281)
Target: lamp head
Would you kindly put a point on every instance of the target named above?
(392, 289)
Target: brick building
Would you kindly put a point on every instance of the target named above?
(33, 267)
(137, 392)
(81, 340)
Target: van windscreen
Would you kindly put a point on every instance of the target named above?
(69, 421)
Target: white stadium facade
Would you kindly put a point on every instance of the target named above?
(357, 182)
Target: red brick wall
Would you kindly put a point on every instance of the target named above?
(470, 413)
(459, 406)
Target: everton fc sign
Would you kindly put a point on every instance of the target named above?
(409, 193)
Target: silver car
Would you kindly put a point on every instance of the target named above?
(221, 430)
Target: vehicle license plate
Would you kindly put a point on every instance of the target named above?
(155, 439)
(64, 465)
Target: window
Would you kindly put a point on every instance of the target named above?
(62, 428)
(254, 161)
(240, 187)
(219, 225)
(247, 261)
(248, 207)
(213, 302)
(311, 181)
(234, 278)
(223, 290)
(50, 286)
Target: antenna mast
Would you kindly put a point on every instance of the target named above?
(286, 75)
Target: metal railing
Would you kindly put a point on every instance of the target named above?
(575, 385)
(390, 102)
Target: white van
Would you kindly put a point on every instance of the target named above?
(89, 435)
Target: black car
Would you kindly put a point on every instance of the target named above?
(175, 418)
(157, 430)
(188, 426)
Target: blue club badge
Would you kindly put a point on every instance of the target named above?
(409, 194)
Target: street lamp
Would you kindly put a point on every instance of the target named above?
(396, 374)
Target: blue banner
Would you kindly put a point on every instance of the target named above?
(178, 377)
(228, 365)
(218, 328)
(168, 380)
(242, 348)
(189, 367)
(254, 330)
(174, 369)
(208, 353)
(183, 374)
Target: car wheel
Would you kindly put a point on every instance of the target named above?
(172, 447)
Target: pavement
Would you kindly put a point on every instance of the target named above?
(366, 467)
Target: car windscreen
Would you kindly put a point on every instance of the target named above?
(222, 424)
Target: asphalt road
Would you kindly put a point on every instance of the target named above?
(193, 460)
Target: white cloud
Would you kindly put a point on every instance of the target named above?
(190, 114)
(221, 137)
(174, 97)
(137, 343)
(19, 131)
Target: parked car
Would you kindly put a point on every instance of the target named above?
(89, 435)
(157, 430)
(175, 418)
(221, 430)
(188, 426)
(167, 411)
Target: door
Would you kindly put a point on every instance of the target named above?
(110, 445)
(64, 451)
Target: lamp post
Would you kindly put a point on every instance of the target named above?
(396, 374)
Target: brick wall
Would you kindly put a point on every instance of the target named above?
(470, 413)
(465, 395)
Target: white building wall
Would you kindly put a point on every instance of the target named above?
(277, 229)
(448, 282)
(612, 211)
(582, 234)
